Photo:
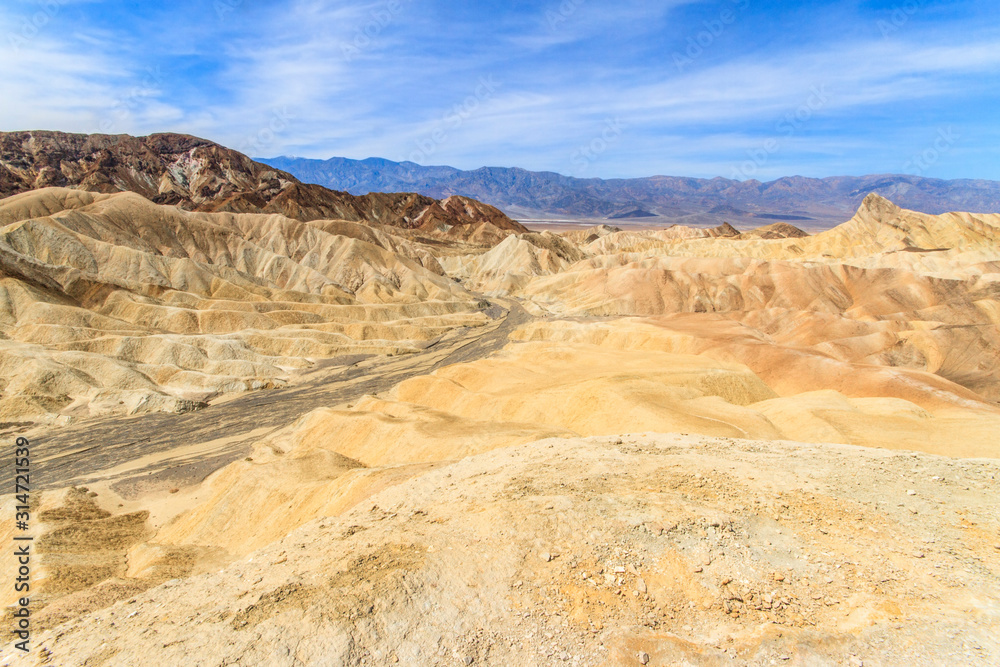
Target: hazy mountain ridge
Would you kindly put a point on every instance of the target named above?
(527, 194)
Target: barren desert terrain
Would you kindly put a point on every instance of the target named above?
(261, 439)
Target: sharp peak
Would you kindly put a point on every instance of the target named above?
(877, 203)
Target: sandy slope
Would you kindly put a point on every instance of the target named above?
(890, 288)
(688, 550)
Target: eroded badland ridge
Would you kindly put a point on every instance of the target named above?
(274, 428)
(199, 175)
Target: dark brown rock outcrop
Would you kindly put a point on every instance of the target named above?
(199, 175)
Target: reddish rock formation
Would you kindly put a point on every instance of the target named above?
(199, 175)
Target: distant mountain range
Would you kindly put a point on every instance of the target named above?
(811, 203)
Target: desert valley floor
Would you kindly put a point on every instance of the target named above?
(262, 440)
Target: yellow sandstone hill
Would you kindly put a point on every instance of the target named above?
(109, 303)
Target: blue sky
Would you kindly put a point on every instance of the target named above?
(733, 88)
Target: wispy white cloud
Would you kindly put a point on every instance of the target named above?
(376, 79)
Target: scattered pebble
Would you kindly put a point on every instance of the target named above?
(911, 492)
(545, 556)
(643, 657)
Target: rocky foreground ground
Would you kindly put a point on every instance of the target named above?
(639, 549)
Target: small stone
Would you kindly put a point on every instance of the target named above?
(620, 569)
(545, 556)
(469, 660)
(174, 490)
(725, 581)
(779, 577)
(919, 554)
(640, 585)
(911, 492)
(643, 657)
(855, 661)
(699, 569)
